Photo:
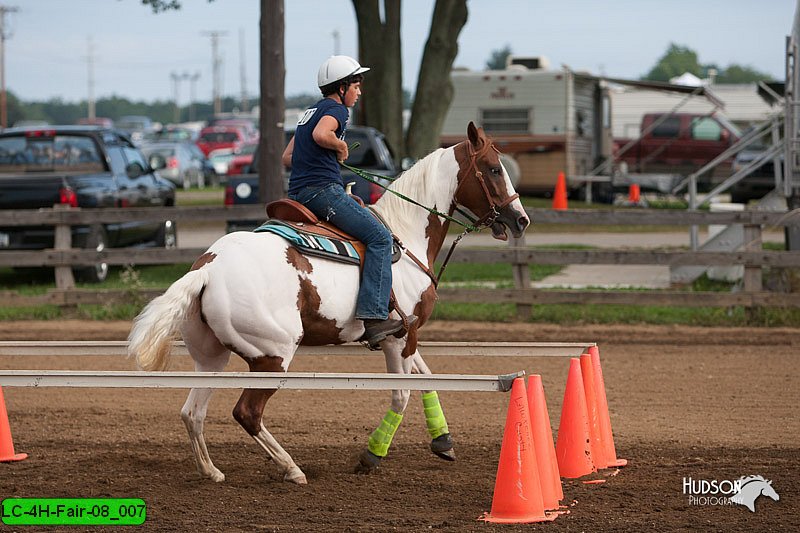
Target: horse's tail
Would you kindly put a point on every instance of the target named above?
(156, 327)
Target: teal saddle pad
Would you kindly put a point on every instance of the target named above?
(312, 244)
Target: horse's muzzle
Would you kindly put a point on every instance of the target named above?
(512, 219)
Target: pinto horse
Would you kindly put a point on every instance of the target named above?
(257, 296)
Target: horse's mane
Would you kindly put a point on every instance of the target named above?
(749, 479)
(420, 183)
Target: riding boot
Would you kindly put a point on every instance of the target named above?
(376, 329)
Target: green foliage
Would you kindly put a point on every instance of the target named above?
(675, 61)
(679, 59)
(497, 59)
(741, 74)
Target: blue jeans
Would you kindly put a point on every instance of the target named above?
(331, 204)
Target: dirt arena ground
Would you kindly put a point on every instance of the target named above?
(685, 402)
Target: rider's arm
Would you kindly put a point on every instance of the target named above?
(325, 135)
(286, 158)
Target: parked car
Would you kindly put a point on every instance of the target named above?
(86, 167)
(216, 137)
(104, 122)
(182, 166)
(372, 154)
(171, 133)
(760, 181)
(681, 143)
(242, 158)
(220, 159)
(136, 126)
(245, 124)
(211, 177)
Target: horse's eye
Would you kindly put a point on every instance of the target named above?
(497, 171)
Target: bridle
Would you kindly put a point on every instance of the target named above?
(462, 177)
(472, 169)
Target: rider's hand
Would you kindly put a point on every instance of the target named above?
(342, 152)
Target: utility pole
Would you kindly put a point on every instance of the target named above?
(216, 63)
(90, 63)
(192, 82)
(243, 73)
(175, 77)
(336, 47)
(4, 34)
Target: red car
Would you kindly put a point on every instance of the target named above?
(216, 137)
(242, 158)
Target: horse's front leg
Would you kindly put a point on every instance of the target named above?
(381, 438)
(442, 442)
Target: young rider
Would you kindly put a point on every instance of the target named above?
(314, 154)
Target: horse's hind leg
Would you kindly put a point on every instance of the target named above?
(248, 412)
(209, 356)
(442, 443)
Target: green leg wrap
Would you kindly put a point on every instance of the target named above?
(434, 417)
(381, 438)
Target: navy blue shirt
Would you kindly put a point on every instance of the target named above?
(313, 165)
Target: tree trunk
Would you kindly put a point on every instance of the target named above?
(434, 88)
(381, 104)
(272, 79)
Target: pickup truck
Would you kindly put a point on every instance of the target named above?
(372, 154)
(679, 144)
(86, 167)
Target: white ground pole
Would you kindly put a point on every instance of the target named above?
(255, 380)
(495, 349)
(270, 380)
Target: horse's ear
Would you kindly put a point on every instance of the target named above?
(475, 135)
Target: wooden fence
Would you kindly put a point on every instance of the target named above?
(63, 257)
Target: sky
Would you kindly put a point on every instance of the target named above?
(135, 52)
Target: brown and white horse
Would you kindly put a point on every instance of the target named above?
(257, 296)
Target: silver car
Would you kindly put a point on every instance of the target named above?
(182, 166)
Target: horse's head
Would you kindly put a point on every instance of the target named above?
(484, 187)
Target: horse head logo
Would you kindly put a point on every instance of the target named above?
(751, 488)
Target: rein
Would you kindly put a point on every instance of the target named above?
(476, 224)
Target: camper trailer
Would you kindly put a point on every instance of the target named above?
(544, 121)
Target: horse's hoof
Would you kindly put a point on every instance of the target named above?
(214, 475)
(442, 446)
(367, 462)
(295, 475)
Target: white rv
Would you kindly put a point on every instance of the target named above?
(548, 121)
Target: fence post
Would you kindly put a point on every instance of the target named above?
(63, 241)
(752, 243)
(522, 276)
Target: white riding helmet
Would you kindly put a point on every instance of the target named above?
(337, 68)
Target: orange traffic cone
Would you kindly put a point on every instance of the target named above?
(602, 405)
(634, 193)
(573, 447)
(6, 444)
(560, 194)
(549, 477)
(517, 493)
(598, 453)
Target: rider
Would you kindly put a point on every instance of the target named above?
(314, 154)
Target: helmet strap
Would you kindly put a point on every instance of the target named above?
(342, 91)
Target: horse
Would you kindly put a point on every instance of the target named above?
(751, 487)
(257, 296)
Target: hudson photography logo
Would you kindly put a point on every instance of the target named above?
(742, 491)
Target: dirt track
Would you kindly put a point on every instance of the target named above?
(706, 403)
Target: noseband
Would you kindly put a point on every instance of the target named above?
(472, 170)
